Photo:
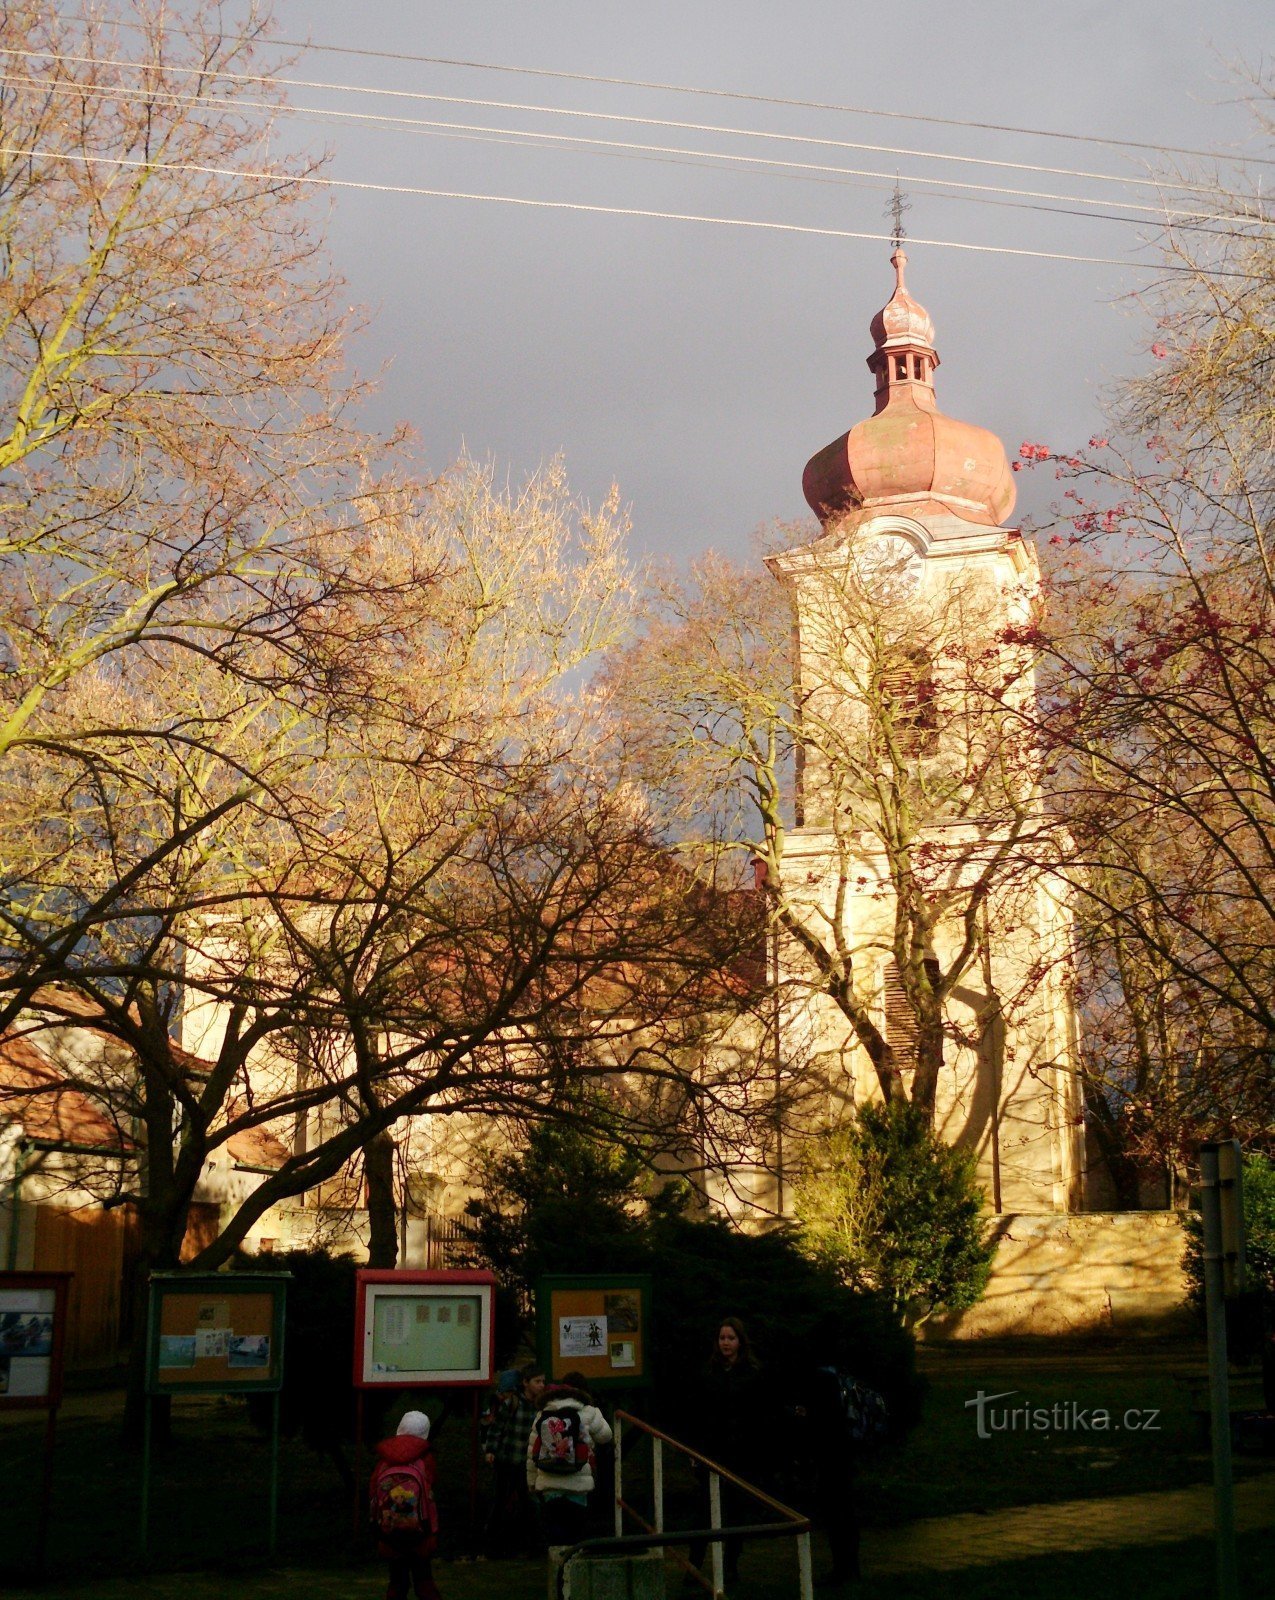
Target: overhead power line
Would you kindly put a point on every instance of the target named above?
(744, 96)
(952, 188)
(779, 100)
(621, 117)
(278, 177)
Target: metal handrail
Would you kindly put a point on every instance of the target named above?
(793, 1525)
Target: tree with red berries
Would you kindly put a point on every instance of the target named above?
(1159, 714)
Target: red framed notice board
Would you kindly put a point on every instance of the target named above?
(413, 1329)
(33, 1309)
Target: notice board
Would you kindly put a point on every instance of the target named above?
(422, 1328)
(597, 1325)
(33, 1308)
(216, 1333)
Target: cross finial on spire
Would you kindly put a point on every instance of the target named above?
(897, 206)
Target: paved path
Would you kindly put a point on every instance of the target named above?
(944, 1544)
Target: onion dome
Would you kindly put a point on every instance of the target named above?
(908, 454)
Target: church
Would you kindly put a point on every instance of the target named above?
(918, 872)
(922, 935)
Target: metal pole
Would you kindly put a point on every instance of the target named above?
(144, 1526)
(715, 1523)
(46, 1492)
(274, 1473)
(473, 1466)
(619, 1478)
(1219, 1392)
(358, 1460)
(805, 1578)
(15, 1203)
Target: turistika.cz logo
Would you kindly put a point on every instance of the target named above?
(1064, 1416)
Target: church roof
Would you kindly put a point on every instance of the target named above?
(908, 456)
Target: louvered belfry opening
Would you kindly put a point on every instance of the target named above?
(909, 698)
(901, 1031)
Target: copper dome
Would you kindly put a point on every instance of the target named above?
(908, 452)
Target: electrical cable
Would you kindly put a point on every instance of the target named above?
(734, 94)
(1066, 205)
(613, 211)
(611, 116)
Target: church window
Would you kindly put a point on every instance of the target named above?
(918, 367)
(900, 366)
(898, 1017)
(909, 700)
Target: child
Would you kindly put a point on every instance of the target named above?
(567, 1430)
(509, 1489)
(404, 1513)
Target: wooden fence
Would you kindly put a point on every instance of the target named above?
(98, 1247)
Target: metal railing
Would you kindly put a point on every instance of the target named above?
(791, 1524)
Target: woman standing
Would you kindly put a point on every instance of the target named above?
(732, 1426)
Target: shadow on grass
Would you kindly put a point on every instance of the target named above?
(1182, 1571)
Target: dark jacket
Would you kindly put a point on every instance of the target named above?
(735, 1406)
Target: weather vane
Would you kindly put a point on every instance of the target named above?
(897, 206)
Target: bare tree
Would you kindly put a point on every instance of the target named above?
(292, 748)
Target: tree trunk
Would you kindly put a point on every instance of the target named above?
(929, 1065)
(1122, 1168)
(156, 1255)
(382, 1214)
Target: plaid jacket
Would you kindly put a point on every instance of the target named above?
(510, 1431)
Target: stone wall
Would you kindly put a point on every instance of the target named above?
(1107, 1272)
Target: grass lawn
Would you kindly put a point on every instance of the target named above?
(208, 1512)
(944, 1467)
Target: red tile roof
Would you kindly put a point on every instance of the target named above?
(35, 1095)
(257, 1147)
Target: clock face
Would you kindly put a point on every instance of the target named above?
(889, 565)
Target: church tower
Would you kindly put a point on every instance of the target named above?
(925, 946)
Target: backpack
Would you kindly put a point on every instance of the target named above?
(559, 1446)
(863, 1409)
(403, 1504)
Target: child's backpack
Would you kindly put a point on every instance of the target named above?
(559, 1445)
(864, 1410)
(403, 1504)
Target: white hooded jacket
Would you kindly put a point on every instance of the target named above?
(594, 1428)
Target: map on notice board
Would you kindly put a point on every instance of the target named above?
(26, 1342)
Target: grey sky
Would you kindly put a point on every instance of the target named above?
(700, 366)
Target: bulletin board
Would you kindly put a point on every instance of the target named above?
(216, 1333)
(598, 1326)
(33, 1307)
(422, 1328)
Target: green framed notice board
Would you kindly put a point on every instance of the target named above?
(599, 1325)
(216, 1333)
